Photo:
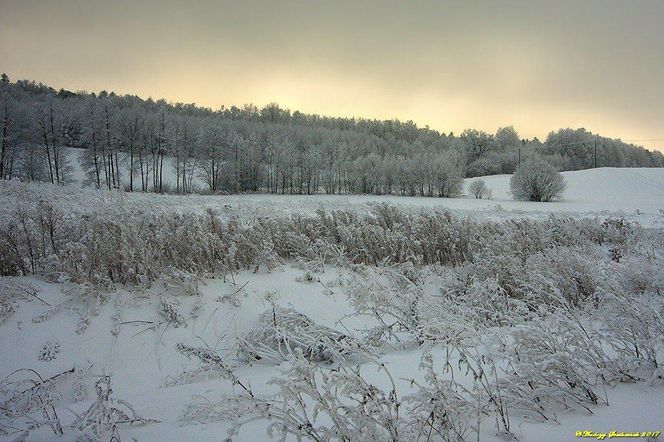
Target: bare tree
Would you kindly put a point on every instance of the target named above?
(131, 127)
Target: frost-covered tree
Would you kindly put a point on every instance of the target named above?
(506, 138)
(447, 177)
(5, 129)
(264, 150)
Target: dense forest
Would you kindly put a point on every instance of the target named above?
(269, 149)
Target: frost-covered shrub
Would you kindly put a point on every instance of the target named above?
(441, 406)
(465, 301)
(563, 275)
(479, 189)
(282, 332)
(102, 419)
(212, 364)
(169, 311)
(537, 180)
(519, 268)
(391, 299)
(542, 263)
(617, 230)
(640, 274)
(312, 403)
(553, 363)
(443, 403)
(13, 290)
(621, 235)
(48, 313)
(28, 402)
(636, 334)
(483, 167)
(103, 248)
(448, 178)
(297, 244)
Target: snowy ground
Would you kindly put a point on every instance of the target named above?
(637, 194)
(128, 339)
(141, 361)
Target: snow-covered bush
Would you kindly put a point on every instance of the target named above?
(324, 403)
(392, 300)
(553, 363)
(442, 406)
(479, 189)
(537, 180)
(460, 387)
(212, 364)
(102, 419)
(13, 290)
(312, 403)
(28, 402)
(636, 335)
(467, 301)
(483, 167)
(282, 332)
(170, 312)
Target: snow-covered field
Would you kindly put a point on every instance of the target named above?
(546, 311)
(637, 194)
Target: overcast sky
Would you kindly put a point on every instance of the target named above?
(537, 65)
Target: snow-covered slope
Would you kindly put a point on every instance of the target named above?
(607, 188)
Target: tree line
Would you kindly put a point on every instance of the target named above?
(126, 140)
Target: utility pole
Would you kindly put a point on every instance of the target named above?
(595, 153)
